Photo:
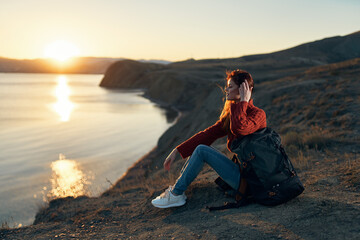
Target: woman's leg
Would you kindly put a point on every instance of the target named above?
(227, 169)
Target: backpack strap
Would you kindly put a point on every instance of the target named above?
(228, 205)
(291, 171)
(241, 193)
(241, 196)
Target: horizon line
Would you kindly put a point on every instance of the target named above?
(154, 59)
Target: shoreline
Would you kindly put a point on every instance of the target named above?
(136, 165)
(167, 107)
(138, 169)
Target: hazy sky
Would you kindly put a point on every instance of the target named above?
(171, 30)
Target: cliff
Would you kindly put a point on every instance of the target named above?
(195, 86)
(313, 104)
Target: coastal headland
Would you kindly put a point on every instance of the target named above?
(310, 94)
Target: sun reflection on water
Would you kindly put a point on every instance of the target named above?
(67, 179)
(63, 107)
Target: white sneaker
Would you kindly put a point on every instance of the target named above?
(168, 199)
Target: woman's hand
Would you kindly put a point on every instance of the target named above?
(170, 159)
(245, 91)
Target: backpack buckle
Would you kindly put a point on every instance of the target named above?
(244, 164)
(252, 156)
(271, 194)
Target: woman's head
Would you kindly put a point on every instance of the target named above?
(233, 81)
(237, 77)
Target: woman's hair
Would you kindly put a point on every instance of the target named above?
(238, 76)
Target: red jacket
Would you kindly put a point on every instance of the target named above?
(245, 119)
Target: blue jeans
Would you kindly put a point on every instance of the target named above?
(227, 169)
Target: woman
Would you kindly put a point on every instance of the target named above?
(239, 117)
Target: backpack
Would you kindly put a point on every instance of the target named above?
(267, 174)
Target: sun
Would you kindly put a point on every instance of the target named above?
(61, 50)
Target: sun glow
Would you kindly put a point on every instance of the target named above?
(63, 107)
(61, 50)
(67, 179)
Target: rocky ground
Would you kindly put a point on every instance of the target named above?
(329, 208)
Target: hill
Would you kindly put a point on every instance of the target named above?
(83, 65)
(315, 107)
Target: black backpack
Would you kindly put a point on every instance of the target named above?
(267, 174)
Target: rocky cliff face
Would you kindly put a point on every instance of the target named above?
(194, 87)
(194, 91)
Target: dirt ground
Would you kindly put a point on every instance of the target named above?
(329, 208)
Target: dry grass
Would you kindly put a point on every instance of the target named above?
(300, 144)
(292, 138)
(281, 99)
(301, 161)
(317, 138)
(5, 225)
(149, 185)
(314, 138)
(351, 171)
(351, 161)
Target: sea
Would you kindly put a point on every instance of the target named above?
(64, 135)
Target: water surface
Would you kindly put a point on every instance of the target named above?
(63, 134)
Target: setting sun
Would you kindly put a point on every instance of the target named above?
(61, 50)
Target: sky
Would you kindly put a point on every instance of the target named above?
(168, 29)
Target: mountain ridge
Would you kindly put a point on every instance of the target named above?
(323, 51)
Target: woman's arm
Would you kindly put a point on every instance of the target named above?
(243, 123)
(206, 137)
